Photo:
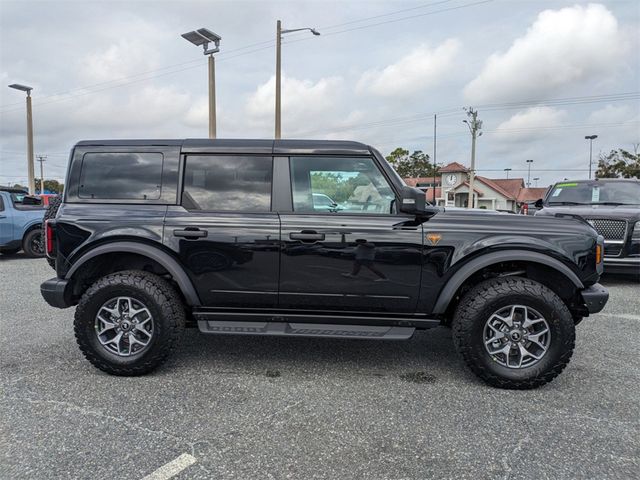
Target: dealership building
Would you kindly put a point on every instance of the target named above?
(450, 188)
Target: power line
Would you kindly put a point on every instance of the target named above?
(268, 44)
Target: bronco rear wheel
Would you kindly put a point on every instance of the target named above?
(514, 333)
(128, 323)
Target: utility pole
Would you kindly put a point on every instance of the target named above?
(212, 97)
(591, 138)
(203, 37)
(435, 122)
(27, 90)
(278, 74)
(279, 33)
(41, 159)
(475, 127)
(507, 170)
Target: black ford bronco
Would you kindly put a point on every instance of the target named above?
(305, 239)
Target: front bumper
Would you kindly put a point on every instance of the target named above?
(55, 292)
(595, 297)
(622, 265)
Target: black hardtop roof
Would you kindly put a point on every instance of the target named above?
(225, 145)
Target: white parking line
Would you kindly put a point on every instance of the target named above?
(172, 468)
(628, 316)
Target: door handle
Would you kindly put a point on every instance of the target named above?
(190, 232)
(307, 236)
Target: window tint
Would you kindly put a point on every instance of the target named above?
(227, 183)
(1, 205)
(127, 176)
(339, 185)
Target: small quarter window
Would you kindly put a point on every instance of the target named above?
(121, 176)
(227, 183)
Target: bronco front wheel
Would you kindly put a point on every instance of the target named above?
(514, 333)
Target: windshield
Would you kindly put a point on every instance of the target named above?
(595, 193)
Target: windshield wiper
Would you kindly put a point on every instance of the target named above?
(567, 203)
(610, 203)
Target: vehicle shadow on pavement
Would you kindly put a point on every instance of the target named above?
(424, 358)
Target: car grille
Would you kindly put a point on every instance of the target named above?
(613, 250)
(609, 229)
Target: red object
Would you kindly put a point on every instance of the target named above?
(525, 209)
(49, 238)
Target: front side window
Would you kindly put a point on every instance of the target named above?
(227, 183)
(121, 176)
(339, 185)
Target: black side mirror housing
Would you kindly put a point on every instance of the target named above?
(413, 201)
(539, 204)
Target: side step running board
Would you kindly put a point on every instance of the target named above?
(305, 330)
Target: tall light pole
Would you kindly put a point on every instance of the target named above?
(24, 88)
(475, 127)
(507, 170)
(535, 179)
(591, 138)
(529, 162)
(42, 159)
(204, 37)
(279, 33)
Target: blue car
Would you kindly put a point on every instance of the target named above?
(20, 223)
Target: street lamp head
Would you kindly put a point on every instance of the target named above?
(529, 161)
(23, 88)
(204, 37)
(591, 137)
(315, 32)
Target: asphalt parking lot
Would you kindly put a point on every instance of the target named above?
(245, 407)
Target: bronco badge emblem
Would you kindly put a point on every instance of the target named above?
(434, 238)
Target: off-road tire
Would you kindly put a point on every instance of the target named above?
(50, 213)
(159, 296)
(489, 296)
(27, 243)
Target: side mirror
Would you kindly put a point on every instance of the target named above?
(539, 204)
(413, 201)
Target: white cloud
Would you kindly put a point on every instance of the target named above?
(423, 67)
(306, 105)
(611, 114)
(522, 126)
(563, 47)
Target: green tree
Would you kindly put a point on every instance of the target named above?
(619, 164)
(53, 186)
(412, 165)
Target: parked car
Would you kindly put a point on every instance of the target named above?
(611, 207)
(20, 223)
(224, 234)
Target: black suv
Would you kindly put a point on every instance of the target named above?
(612, 207)
(238, 237)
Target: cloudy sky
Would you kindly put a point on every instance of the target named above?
(543, 74)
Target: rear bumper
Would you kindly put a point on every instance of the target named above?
(622, 265)
(595, 297)
(54, 291)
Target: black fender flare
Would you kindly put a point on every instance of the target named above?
(154, 253)
(471, 267)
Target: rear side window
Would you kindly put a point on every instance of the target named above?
(227, 183)
(121, 175)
